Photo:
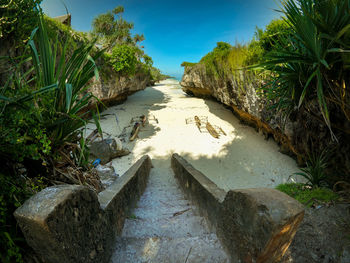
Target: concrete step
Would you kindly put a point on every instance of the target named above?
(164, 210)
(165, 194)
(185, 225)
(204, 249)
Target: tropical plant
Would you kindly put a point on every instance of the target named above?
(216, 60)
(17, 18)
(314, 172)
(124, 59)
(52, 96)
(64, 109)
(112, 29)
(312, 61)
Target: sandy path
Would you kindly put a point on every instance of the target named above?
(242, 159)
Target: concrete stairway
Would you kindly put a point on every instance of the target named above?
(165, 227)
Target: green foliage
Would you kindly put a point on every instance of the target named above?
(42, 107)
(148, 61)
(12, 195)
(112, 29)
(312, 63)
(124, 59)
(14, 190)
(253, 53)
(314, 172)
(215, 62)
(65, 32)
(273, 36)
(157, 75)
(17, 18)
(306, 195)
(187, 64)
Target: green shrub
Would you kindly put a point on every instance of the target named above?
(187, 64)
(123, 59)
(41, 110)
(17, 18)
(306, 195)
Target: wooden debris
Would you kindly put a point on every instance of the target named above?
(92, 136)
(198, 122)
(212, 131)
(222, 131)
(181, 212)
(135, 131)
(151, 117)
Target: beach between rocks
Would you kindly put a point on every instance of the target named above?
(241, 159)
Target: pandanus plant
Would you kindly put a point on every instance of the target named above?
(314, 60)
(58, 81)
(64, 107)
(53, 91)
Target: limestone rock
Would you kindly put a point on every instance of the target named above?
(259, 224)
(107, 149)
(115, 89)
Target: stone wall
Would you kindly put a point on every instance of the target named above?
(71, 223)
(254, 225)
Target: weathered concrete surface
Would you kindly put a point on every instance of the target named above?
(117, 199)
(165, 227)
(255, 225)
(65, 224)
(258, 225)
(70, 223)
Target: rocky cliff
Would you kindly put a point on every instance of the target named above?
(111, 88)
(299, 134)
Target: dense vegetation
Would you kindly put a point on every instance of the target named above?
(123, 51)
(300, 65)
(43, 103)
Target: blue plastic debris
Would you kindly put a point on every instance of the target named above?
(96, 162)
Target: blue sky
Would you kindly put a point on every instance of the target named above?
(176, 30)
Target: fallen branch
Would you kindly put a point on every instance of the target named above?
(181, 212)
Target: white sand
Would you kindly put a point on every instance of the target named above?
(242, 159)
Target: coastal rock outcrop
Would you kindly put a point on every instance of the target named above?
(114, 89)
(298, 134)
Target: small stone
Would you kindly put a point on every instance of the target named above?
(107, 149)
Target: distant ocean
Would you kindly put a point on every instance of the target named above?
(178, 77)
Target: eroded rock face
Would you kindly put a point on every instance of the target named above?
(241, 95)
(115, 89)
(298, 134)
(107, 149)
